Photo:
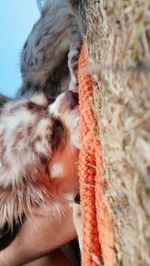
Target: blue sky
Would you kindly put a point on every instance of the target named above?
(16, 19)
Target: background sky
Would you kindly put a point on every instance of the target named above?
(16, 20)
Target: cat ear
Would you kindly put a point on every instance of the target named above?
(11, 208)
(7, 234)
(21, 200)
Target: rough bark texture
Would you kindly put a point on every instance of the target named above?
(118, 38)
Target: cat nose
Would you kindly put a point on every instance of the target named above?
(72, 99)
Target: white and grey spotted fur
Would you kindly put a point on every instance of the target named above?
(31, 134)
(30, 129)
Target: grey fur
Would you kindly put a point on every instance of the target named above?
(52, 46)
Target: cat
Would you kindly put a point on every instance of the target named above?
(40, 127)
